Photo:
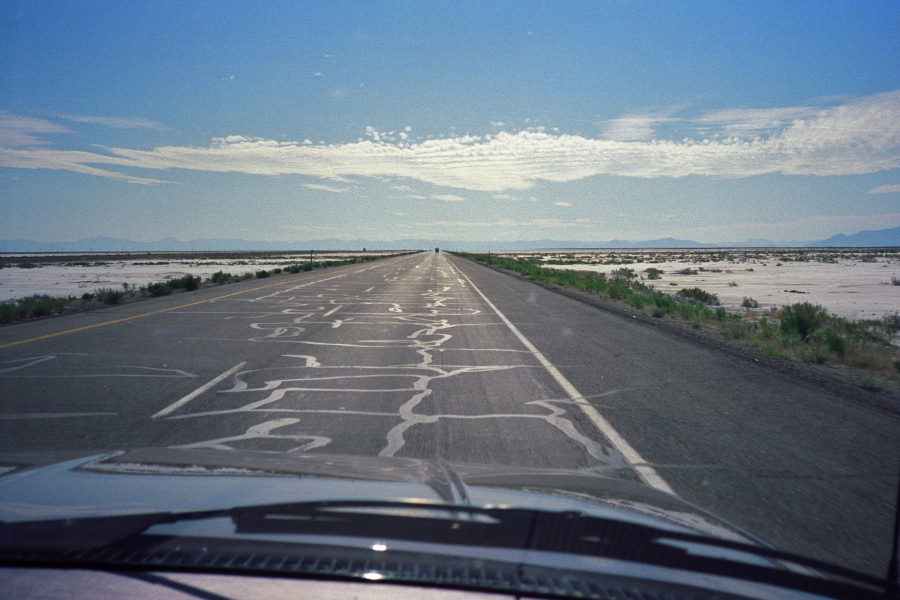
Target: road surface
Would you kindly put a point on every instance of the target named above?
(432, 356)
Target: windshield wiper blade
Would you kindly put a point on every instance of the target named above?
(357, 518)
(410, 521)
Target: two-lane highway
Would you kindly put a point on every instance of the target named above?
(433, 356)
(397, 358)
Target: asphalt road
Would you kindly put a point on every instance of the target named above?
(432, 356)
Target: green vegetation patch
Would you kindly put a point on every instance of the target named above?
(31, 307)
(220, 277)
(801, 332)
(158, 289)
(698, 294)
(109, 296)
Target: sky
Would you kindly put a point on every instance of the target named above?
(716, 121)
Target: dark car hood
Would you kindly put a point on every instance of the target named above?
(37, 486)
(482, 527)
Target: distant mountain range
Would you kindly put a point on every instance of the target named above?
(863, 239)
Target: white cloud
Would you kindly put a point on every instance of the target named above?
(69, 160)
(885, 189)
(632, 128)
(754, 121)
(854, 138)
(447, 197)
(18, 131)
(115, 122)
(325, 188)
(565, 204)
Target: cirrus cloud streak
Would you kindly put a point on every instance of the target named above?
(858, 137)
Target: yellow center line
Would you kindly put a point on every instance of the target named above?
(157, 312)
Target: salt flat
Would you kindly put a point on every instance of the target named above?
(854, 284)
(65, 278)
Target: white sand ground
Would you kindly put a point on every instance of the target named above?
(850, 287)
(57, 280)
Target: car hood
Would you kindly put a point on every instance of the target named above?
(41, 486)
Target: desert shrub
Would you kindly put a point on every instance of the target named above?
(736, 330)
(188, 282)
(697, 294)
(8, 312)
(159, 289)
(276, 270)
(87, 296)
(895, 280)
(28, 265)
(802, 319)
(892, 322)
(624, 273)
(834, 342)
(109, 295)
(220, 277)
(661, 300)
(262, 274)
(764, 330)
(814, 353)
(748, 302)
(46, 305)
(653, 273)
(687, 271)
(33, 306)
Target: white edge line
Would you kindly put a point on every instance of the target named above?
(646, 473)
(175, 406)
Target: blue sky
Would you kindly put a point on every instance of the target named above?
(715, 121)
